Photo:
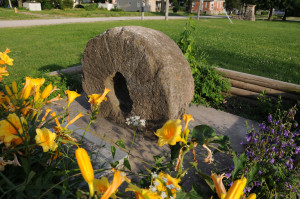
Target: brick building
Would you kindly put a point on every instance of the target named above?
(209, 6)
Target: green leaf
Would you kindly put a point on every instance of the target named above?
(252, 173)
(120, 143)
(175, 151)
(239, 163)
(25, 164)
(30, 176)
(113, 151)
(202, 132)
(127, 164)
(114, 164)
(204, 176)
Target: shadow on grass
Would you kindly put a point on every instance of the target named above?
(63, 81)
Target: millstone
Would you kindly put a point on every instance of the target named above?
(145, 70)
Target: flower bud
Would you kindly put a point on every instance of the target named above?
(252, 196)
(86, 168)
(47, 91)
(14, 87)
(8, 90)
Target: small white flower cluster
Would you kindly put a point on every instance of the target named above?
(135, 121)
(157, 183)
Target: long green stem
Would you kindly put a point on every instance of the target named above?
(85, 130)
(132, 141)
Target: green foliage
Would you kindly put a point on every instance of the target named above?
(67, 4)
(92, 6)
(46, 4)
(209, 85)
(117, 10)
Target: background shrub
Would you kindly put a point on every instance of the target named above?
(92, 6)
(79, 6)
(117, 10)
(67, 4)
(264, 12)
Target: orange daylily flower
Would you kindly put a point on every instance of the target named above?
(47, 91)
(187, 119)
(119, 178)
(75, 118)
(217, 179)
(3, 72)
(97, 99)
(5, 59)
(101, 186)
(170, 181)
(10, 131)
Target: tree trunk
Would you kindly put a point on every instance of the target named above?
(9, 2)
(198, 13)
(270, 14)
(190, 6)
(167, 10)
(162, 6)
(285, 15)
(20, 3)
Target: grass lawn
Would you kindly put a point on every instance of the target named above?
(8, 14)
(269, 49)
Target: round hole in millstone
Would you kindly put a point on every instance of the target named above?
(122, 93)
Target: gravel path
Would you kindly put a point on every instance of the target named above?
(41, 22)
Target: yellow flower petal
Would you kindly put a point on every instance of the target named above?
(252, 196)
(73, 120)
(10, 131)
(117, 181)
(170, 133)
(46, 139)
(217, 179)
(47, 91)
(72, 95)
(6, 59)
(85, 167)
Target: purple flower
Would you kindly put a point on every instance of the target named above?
(254, 140)
(270, 118)
(262, 127)
(272, 161)
(248, 137)
(277, 122)
(296, 125)
(228, 175)
(243, 143)
(259, 172)
(272, 131)
(286, 133)
(297, 150)
(256, 183)
(230, 184)
(281, 126)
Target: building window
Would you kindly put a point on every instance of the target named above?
(138, 4)
(217, 5)
(193, 4)
(206, 5)
(211, 6)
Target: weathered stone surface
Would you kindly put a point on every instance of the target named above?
(145, 70)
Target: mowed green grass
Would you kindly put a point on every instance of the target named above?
(269, 49)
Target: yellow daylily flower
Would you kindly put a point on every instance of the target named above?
(75, 118)
(171, 182)
(3, 72)
(72, 95)
(170, 133)
(142, 193)
(97, 99)
(86, 168)
(47, 91)
(10, 131)
(101, 186)
(119, 178)
(46, 114)
(6, 51)
(46, 139)
(236, 189)
(5, 59)
(217, 179)
(34, 83)
(252, 196)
